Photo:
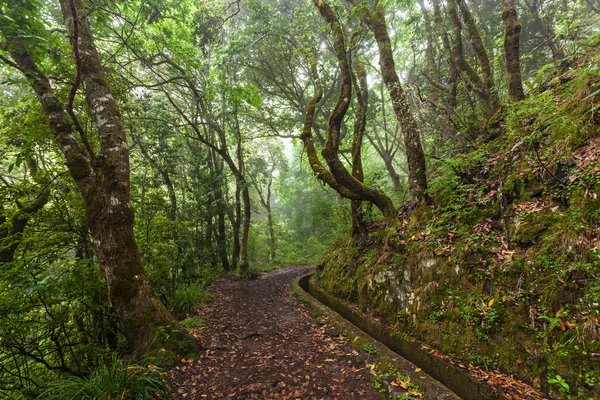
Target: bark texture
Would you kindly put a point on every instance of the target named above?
(512, 34)
(462, 66)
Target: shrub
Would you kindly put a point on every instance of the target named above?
(186, 297)
(116, 380)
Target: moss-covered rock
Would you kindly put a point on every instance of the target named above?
(528, 228)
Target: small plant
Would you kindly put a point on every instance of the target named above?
(369, 349)
(317, 312)
(186, 297)
(193, 322)
(303, 300)
(250, 273)
(381, 374)
(563, 386)
(115, 380)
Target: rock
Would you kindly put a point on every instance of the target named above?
(529, 227)
(537, 192)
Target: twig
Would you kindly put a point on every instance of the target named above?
(50, 182)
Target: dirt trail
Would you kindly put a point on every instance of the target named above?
(262, 344)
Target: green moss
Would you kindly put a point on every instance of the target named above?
(530, 227)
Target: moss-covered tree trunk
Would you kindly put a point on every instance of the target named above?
(244, 263)
(103, 180)
(330, 150)
(477, 84)
(320, 171)
(239, 173)
(359, 80)
(272, 241)
(417, 172)
(453, 68)
(433, 73)
(216, 166)
(512, 34)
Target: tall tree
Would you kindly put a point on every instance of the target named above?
(374, 18)
(512, 34)
(338, 177)
(102, 178)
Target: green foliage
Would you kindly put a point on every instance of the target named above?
(187, 297)
(194, 322)
(381, 373)
(250, 273)
(369, 349)
(560, 383)
(113, 380)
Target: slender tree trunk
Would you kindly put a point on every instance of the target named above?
(216, 165)
(222, 240)
(512, 35)
(11, 233)
(480, 52)
(458, 59)
(359, 80)
(244, 264)
(235, 216)
(272, 244)
(317, 167)
(417, 172)
(103, 181)
(453, 68)
(243, 184)
(433, 71)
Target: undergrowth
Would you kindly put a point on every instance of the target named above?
(112, 380)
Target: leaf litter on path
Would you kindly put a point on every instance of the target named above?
(260, 343)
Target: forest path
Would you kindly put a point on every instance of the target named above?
(261, 343)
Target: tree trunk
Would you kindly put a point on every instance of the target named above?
(330, 150)
(417, 172)
(453, 68)
(480, 52)
(272, 244)
(244, 264)
(235, 216)
(359, 80)
(458, 59)
(512, 35)
(221, 235)
(433, 71)
(239, 173)
(317, 167)
(103, 181)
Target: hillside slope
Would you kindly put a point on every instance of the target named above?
(502, 270)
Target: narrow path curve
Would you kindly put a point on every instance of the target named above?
(262, 344)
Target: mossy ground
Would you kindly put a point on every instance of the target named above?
(502, 271)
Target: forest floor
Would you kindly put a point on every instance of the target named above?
(261, 343)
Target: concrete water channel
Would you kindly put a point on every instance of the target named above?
(436, 377)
